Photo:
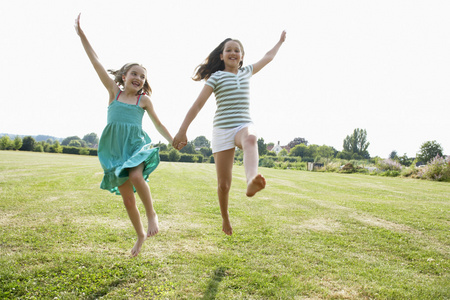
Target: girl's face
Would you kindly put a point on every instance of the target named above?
(135, 78)
(232, 54)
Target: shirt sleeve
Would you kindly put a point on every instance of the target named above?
(249, 69)
(212, 81)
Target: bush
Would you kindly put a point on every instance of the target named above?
(332, 167)
(290, 159)
(390, 173)
(56, 148)
(174, 155)
(348, 168)
(70, 150)
(191, 158)
(298, 165)
(410, 172)
(389, 165)
(84, 151)
(164, 156)
(267, 162)
(437, 169)
(38, 148)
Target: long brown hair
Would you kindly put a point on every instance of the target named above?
(213, 62)
(146, 89)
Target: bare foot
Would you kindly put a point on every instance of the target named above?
(226, 227)
(137, 247)
(257, 184)
(152, 225)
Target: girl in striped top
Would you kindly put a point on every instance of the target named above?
(224, 75)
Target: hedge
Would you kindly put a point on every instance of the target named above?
(79, 151)
(191, 158)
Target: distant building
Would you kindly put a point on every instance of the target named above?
(277, 148)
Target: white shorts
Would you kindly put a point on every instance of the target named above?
(223, 138)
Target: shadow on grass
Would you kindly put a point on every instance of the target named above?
(211, 290)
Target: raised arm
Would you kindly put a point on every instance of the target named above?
(180, 140)
(269, 55)
(107, 81)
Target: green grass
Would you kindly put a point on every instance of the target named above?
(306, 236)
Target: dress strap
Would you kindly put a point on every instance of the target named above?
(138, 100)
(118, 94)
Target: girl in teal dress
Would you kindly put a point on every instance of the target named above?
(125, 150)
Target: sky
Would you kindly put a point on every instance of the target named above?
(382, 66)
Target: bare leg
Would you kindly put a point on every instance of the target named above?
(224, 166)
(129, 200)
(246, 140)
(144, 193)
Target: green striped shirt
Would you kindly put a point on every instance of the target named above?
(232, 93)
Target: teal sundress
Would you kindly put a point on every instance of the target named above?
(124, 145)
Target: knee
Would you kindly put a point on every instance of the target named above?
(224, 186)
(135, 177)
(129, 201)
(250, 140)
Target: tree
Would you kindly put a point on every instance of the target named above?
(162, 147)
(405, 160)
(393, 155)
(28, 143)
(91, 139)
(17, 143)
(262, 147)
(206, 152)
(6, 143)
(313, 151)
(189, 149)
(67, 140)
(344, 155)
(326, 151)
(56, 147)
(75, 143)
(299, 150)
(201, 142)
(283, 152)
(297, 141)
(428, 151)
(38, 148)
(357, 143)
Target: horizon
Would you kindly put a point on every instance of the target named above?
(267, 143)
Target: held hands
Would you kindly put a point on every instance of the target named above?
(179, 141)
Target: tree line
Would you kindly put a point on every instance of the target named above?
(355, 147)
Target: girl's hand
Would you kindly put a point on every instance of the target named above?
(77, 25)
(283, 36)
(179, 141)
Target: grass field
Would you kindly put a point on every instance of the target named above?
(308, 235)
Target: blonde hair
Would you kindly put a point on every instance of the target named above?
(118, 77)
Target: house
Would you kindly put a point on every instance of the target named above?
(277, 148)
